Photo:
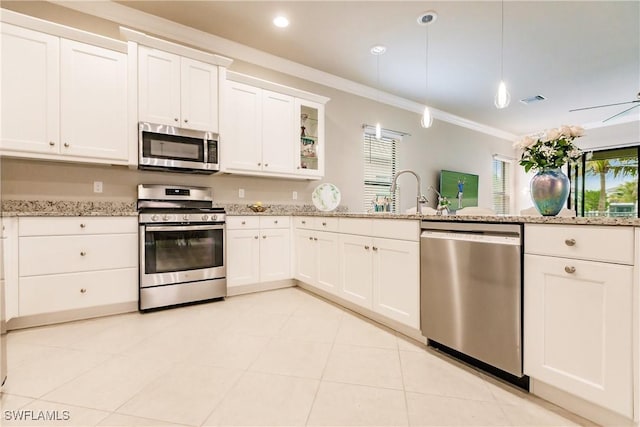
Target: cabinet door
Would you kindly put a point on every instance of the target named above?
(328, 262)
(242, 135)
(30, 91)
(93, 95)
(310, 130)
(578, 328)
(199, 95)
(275, 255)
(158, 87)
(396, 280)
(356, 269)
(243, 257)
(277, 132)
(305, 269)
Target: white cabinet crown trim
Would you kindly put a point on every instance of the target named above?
(36, 24)
(275, 87)
(143, 39)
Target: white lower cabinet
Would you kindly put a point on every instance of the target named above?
(353, 259)
(73, 263)
(258, 249)
(578, 317)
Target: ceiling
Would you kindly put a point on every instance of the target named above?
(574, 53)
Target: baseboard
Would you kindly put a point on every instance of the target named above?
(259, 287)
(71, 315)
(579, 406)
(410, 332)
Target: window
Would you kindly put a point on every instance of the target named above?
(501, 185)
(380, 164)
(605, 183)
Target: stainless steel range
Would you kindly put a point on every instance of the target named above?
(182, 248)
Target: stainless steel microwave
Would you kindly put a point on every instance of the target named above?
(176, 149)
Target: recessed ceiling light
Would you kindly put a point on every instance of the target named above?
(428, 17)
(280, 21)
(533, 99)
(378, 49)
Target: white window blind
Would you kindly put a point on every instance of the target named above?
(501, 188)
(380, 164)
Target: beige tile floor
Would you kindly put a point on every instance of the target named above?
(279, 358)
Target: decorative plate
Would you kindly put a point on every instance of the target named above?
(326, 197)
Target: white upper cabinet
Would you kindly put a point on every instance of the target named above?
(177, 91)
(93, 101)
(262, 127)
(63, 99)
(30, 90)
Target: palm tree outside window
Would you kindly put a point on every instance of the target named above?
(605, 183)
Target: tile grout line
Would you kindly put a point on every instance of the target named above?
(404, 390)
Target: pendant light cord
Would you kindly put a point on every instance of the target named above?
(502, 40)
(426, 63)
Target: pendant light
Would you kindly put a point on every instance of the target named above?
(502, 98)
(425, 19)
(377, 51)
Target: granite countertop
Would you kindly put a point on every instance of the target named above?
(67, 208)
(119, 208)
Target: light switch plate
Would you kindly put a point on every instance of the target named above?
(97, 186)
(241, 193)
(294, 196)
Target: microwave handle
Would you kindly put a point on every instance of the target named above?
(184, 228)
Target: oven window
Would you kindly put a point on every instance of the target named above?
(161, 146)
(171, 251)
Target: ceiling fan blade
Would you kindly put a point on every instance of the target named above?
(621, 113)
(605, 105)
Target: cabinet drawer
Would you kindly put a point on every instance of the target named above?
(608, 243)
(274, 221)
(326, 223)
(45, 294)
(66, 254)
(360, 226)
(242, 222)
(62, 226)
(397, 229)
(304, 222)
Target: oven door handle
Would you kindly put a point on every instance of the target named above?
(184, 227)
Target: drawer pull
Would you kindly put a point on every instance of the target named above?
(310, 238)
(275, 221)
(66, 144)
(264, 237)
(259, 164)
(569, 269)
(324, 223)
(83, 253)
(304, 222)
(570, 242)
(244, 222)
(255, 237)
(374, 248)
(51, 143)
(266, 165)
(315, 238)
(186, 120)
(175, 119)
(366, 247)
(83, 291)
(83, 225)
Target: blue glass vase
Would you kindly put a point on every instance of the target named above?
(549, 191)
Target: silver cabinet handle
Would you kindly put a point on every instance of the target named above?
(264, 237)
(570, 242)
(266, 165)
(175, 119)
(310, 238)
(259, 164)
(275, 221)
(569, 269)
(243, 222)
(83, 291)
(66, 144)
(366, 247)
(324, 224)
(315, 238)
(83, 225)
(83, 253)
(255, 237)
(374, 248)
(304, 222)
(186, 121)
(51, 143)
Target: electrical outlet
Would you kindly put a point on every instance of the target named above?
(241, 193)
(97, 186)
(295, 195)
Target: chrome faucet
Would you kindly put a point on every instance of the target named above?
(420, 199)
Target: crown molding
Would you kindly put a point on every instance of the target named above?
(142, 21)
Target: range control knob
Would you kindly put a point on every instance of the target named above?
(205, 217)
(166, 217)
(214, 217)
(154, 217)
(185, 217)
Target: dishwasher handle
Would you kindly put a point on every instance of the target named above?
(494, 239)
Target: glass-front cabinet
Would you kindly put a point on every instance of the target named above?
(310, 152)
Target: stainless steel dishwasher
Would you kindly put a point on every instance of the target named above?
(471, 291)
